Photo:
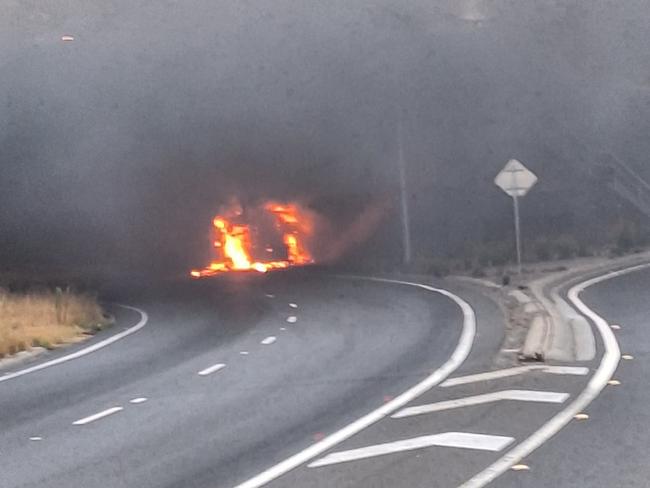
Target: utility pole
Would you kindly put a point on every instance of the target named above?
(406, 230)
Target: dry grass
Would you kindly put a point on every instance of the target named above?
(45, 318)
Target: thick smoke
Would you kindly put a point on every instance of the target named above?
(117, 148)
(335, 239)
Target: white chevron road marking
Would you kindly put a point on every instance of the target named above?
(516, 395)
(461, 440)
(505, 373)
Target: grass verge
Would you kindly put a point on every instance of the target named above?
(46, 318)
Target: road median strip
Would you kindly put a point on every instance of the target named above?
(559, 332)
(575, 409)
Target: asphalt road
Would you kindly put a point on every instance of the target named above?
(608, 449)
(222, 384)
(611, 448)
(353, 346)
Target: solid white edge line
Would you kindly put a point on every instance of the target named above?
(455, 360)
(87, 350)
(596, 384)
(211, 369)
(97, 416)
(459, 440)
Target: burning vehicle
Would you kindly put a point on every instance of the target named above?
(268, 236)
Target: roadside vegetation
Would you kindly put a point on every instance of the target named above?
(496, 257)
(46, 318)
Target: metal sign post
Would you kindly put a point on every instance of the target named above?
(515, 201)
(515, 179)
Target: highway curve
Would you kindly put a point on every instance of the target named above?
(138, 413)
(611, 448)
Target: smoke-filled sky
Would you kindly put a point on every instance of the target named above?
(119, 147)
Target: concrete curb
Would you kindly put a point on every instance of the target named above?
(533, 344)
(552, 338)
(476, 281)
(21, 357)
(567, 335)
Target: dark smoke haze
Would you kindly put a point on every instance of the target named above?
(118, 148)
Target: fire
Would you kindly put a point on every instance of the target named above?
(235, 242)
(295, 223)
(236, 248)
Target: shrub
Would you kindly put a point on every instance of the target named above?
(542, 249)
(628, 237)
(478, 273)
(438, 267)
(566, 247)
(38, 342)
(496, 253)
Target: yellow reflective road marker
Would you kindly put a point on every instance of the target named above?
(581, 416)
(520, 467)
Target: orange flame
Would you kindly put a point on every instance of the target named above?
(295, 223)
(234, 247)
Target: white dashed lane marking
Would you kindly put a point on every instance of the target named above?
(243, 353)
(461, 440)
(292, 319)
(211, 369)
(97, 416)
(36, 438)
(293, 305)
(138, 400)
(268, 340)
(457, 357)
(505, 373)
(516, 395)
